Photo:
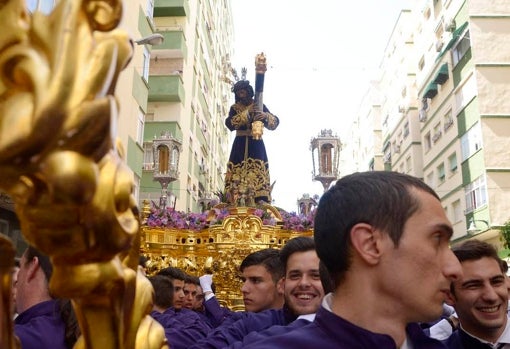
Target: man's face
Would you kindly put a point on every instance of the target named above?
(178, 294)
(190, 292)
(199, 299)
(15, 272)
(259, 290)
(415, 276)
(20, 285)
(481, 298)
(302, 284)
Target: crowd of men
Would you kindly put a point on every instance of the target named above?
(378, 273)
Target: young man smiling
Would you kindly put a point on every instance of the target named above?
(303, 292)
(480, 298)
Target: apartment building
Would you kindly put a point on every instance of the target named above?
(446, 115)
(188, 99)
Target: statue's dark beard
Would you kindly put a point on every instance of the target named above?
(245, 100)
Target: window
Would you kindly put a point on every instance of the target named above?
(461, 48)
(437, 132)
(428, 141)
(409, 164)
(457, 211)
(396, 147)
(406, 129)
(146, 62)
(448, 120)
(139, 127)
(150, 8)
(430, 180)
(440, 173)
(471, 141)
(136, 187)
(452, 163)
(148, 156)
(476, 194)
(421, 64)
(465, 94)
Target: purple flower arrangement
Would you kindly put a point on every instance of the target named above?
(293, 221)
(170, 218)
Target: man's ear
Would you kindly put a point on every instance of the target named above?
(279, 286)
(366, 242)
(32, 267)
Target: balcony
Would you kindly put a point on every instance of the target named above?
(170, 8)
(166, 88)
(174, 45)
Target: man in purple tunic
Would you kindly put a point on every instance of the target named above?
(261, 274)
(480, 299)
(43, 322)
(384, 238)
(182, 328)
(303, 292)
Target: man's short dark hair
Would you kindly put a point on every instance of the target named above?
(163, 291)
(191, 279)
(142, 261)
(269, 258)
(44, 261)
(473, 250)
(297, 244)
(173, 273)
(383, 199)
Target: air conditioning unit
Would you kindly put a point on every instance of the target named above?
(450, 25)
(422, 115)
(387, 158)
(403, 108)
(203, 168)
(439, 45)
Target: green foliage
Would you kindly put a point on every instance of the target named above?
(505, 234)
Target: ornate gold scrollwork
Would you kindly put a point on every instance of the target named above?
(60, 164)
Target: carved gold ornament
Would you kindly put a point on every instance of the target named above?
(66, 174)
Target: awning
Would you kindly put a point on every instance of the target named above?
(442, 75)
(455, 36)
(430, 91)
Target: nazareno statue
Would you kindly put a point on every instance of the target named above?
(247, 180)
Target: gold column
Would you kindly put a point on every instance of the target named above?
(60, 164)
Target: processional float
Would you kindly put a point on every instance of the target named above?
(61, 165)
(234, 229)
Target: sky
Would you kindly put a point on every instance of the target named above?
(321, 57)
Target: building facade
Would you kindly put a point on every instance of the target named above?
(189, 99)
(445, 115)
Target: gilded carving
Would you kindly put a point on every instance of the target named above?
(60, 164)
